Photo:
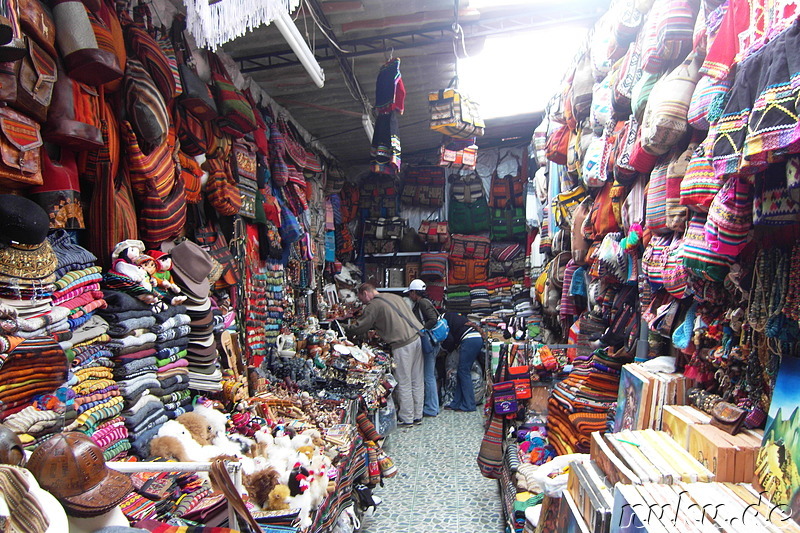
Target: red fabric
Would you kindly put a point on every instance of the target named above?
(722, 52)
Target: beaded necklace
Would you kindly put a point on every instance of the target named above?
(757, 306)
(792, 306)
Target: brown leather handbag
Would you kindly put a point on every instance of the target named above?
(12, 49)
(27, 85)
(20, 144)
(36, 22)
(728, 417)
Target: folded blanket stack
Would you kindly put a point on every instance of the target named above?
(96, 393)
(33, 424)
(579, 403)
(133, 348)
(479, 299)
(172, 330)
(522, 301)
(29, 368)
(458, 299)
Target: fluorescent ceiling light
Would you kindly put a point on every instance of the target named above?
(369, 127)
(286, 26)
(483, 4)
(519, 74)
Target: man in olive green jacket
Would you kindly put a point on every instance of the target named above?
(389, 315)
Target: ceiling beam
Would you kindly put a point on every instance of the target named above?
(411, 19)
(285, 101)
(438, 34)
(334, 8)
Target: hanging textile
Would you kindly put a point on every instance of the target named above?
(390, 97)
(214, 24)
(385, 152)
(390, 93)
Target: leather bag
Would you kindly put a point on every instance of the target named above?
(20, 144)
(196, 97)
(109, 36)
(28, 84)
(83, 59)
(728, 417)
(12, 49)
(36, 21)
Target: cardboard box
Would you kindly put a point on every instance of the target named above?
(676, 419)
(730, 457)
(675, 424)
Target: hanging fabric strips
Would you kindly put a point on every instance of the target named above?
(215, 23)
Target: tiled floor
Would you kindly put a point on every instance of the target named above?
(439, 486)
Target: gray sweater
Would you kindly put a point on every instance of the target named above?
(391, 326)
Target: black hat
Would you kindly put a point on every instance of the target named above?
(22, 221)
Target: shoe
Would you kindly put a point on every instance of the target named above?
(404, 424)
(429, 416)
(448, 408)
(418, 422)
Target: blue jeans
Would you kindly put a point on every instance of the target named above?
(464, 396)
(429, 351)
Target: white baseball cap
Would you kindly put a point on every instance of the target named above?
(416, 285)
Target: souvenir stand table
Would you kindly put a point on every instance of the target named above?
(351, 468)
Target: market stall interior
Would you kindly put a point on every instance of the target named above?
(356, 266)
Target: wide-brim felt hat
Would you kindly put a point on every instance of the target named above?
(195, 352)
(194, 307)
(202, 342)
(191, 266)
(201, 322)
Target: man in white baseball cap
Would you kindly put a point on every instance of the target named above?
(426, 313)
